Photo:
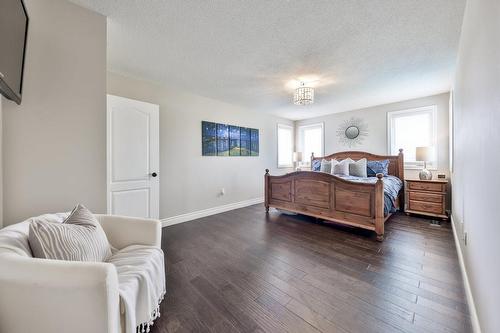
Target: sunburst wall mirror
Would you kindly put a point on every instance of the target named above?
(352, 132)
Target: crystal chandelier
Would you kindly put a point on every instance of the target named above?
(303, 95)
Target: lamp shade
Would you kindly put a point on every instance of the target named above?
(423, 154)
(297, 156)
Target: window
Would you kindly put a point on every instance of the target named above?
(311, 140)
(413, 128)
(285, 146)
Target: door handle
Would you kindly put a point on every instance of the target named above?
(154, 174)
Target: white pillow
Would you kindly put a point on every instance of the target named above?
(342, 167)
(334, 163)
(326, 166)
(358, 168)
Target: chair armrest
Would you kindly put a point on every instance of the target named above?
(123, 231)
(41, 295)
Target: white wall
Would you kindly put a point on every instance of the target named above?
(376, 120)
(189, 181)
(1, 164)
(54, 142)
(477, 159)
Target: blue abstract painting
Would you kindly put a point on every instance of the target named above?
(244, 141)
(222, 140)
(254, 142)
(228, 140)
(208, 138)
(234, 141)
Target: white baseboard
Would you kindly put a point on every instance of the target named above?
(210, 211)
(468, 292)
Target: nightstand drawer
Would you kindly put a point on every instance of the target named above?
(426, 207)
(425, 196)
(427, 186)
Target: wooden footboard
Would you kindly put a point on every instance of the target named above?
(328, 197)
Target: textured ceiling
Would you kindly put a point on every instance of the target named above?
(357, 53)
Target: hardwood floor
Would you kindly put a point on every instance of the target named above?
(243, 271)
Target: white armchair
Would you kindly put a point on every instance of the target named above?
(45, 296)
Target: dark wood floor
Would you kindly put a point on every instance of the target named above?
(243, 271)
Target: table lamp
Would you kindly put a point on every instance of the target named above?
(297, 158)
(424, 154)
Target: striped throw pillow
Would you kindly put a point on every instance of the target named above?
(79, 237)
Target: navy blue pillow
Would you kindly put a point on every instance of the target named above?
(374, 167)
(316, 165)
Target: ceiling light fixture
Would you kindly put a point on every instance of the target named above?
(303, 95)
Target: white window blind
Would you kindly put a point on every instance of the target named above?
(285, 146)
(311, 140)
(410, 129)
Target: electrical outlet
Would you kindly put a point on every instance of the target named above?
(441, 176)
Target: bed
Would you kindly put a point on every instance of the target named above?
(347, 200)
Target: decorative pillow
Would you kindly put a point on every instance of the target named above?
(79, 237)
(334, 163)
(374, 167)
(316, 165)
(358, 168)
(326, 166)
(342, 167)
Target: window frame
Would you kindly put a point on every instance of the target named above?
(288, 127)
(307, 159)
(415, 165)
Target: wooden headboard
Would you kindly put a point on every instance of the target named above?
(396, 163)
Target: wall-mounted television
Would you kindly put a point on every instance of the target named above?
(13, 34)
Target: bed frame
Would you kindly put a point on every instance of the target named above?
(335, 199)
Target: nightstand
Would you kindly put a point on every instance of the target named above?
(426, 197)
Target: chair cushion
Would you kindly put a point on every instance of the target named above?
(79, 238)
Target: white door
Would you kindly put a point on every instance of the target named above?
(133, 158)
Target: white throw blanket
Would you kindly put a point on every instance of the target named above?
(141, 276)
